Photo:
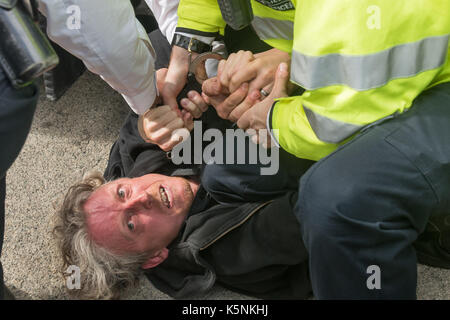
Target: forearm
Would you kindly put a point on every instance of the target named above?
(119, 52)
(176, 74)
(291, 130)
(313, 125)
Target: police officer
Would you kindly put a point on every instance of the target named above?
(375, 118)
(17, 108)
(123, 56)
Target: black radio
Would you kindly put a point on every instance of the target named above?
(25, 52)
(236, 13)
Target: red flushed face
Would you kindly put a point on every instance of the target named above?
(139, 215)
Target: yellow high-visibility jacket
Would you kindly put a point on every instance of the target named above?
(273, 20)
(359, 61)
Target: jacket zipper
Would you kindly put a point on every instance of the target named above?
(235, 226)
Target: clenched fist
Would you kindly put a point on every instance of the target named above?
(161, 126)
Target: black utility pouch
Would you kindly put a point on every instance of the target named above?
(25, 52)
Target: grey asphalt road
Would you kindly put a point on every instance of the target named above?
(68, 138)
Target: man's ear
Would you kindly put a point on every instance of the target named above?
(156, 259)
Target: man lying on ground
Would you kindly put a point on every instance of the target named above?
(186, 231)
(184, 227)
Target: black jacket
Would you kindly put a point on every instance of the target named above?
(252, 248)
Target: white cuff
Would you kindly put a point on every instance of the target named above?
(269, 127)
(141, 102)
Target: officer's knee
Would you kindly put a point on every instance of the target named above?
(210, 177)
(326, 202)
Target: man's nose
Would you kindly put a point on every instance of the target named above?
(142, 199)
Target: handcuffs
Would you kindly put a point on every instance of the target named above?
(197, 72)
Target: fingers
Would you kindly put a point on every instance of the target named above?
(191, 107)
(232, 101)
(256, 117)
(243, 65)
(188, 120)
(248, 120)
(177, 137)
(251, 99)
(235, 62)
(264, 92)
(243, 59)
(163, 137)
(225, 73)
(194, 103)
(159, 123)
(263, 79)
(221, 68)
(196, 98)
(157, 118)
(163, 134)
(172, 141)
(268, 88)
(242, 75)
(261, 137)
(245, 120)
(206, 98)
(259, 133)
(215, 101)
(153, 124)
(281, 81)
(212, 87)
(256, 74)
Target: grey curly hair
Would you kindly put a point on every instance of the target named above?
(104, 275)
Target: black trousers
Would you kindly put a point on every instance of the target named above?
(16, 113)
(362, 207)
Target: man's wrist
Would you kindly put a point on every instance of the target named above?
(156, 102)
(180, 56)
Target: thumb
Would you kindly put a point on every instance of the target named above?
(281, 81)
(188, 120)
(212, 87)
(244, 120)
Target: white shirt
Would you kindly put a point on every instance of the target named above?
(111, 42)
(165, 12)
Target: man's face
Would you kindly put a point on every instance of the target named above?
(138, 215)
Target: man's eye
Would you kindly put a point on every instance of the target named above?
(130, 225)
(121, 193)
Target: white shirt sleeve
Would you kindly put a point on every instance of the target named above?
(111, 42)
(165, 13)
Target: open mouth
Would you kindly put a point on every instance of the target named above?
(164, 196)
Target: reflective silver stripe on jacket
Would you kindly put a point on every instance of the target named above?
(335, 131)
(268, 28)
(369, 71)
(330, 130)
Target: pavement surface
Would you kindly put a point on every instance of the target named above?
(68, 138)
